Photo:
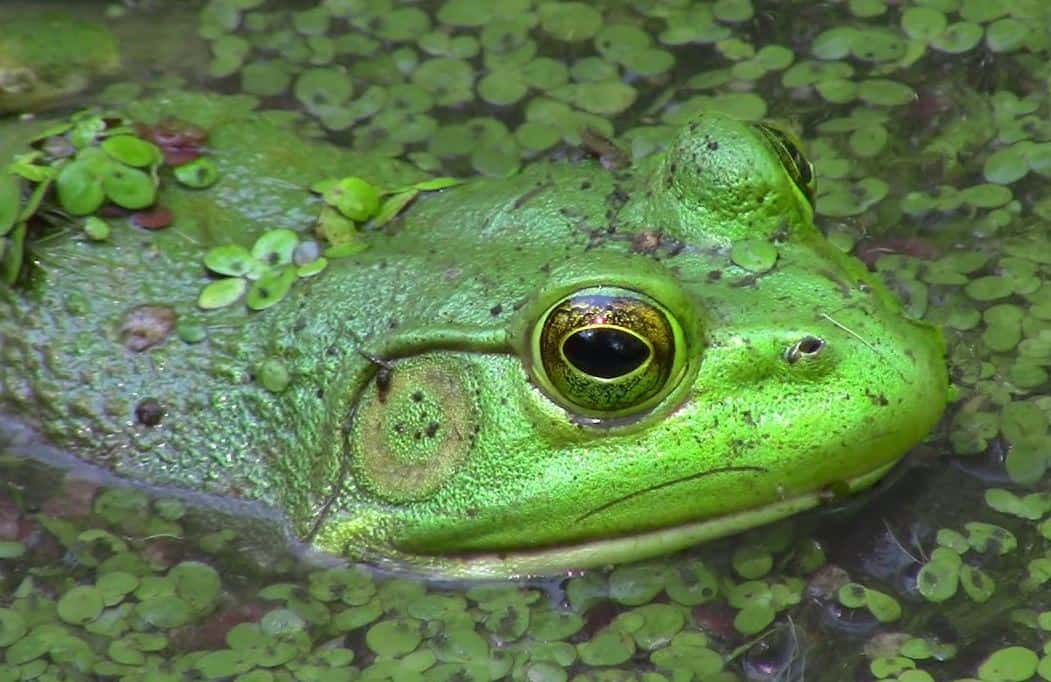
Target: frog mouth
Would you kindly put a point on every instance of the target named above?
(667, 484)
(565, 559)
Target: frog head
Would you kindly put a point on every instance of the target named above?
(638, 400)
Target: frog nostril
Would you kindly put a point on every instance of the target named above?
(806, 347)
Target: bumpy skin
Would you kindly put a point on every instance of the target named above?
(419, 426)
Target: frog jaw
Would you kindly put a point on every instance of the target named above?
(564, 559)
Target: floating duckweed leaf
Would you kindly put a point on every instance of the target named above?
(938, 579)
(989, 288)
(502, 87)
(96, 229)
(1006, 35)
(689, 653)
(80, 605)
(266, 79)
(1011, 664)
(635, 584)
(323, 87)
(230, 259)
(12, 627)
(868, 141)
(79, 187)
(981, 12)
(570, 21)
(393, 205)
(648, 62)
(353, 197)
(497, 159)
(884, 607)
(198, 174)
(867, 8)
(130, 150)
(394, 637)
(976, 583)
(775, 57)
(885, 92)
(312, 268)
(733, 10)
(114, 586)
(448, 80)
(957, 38)
(923, 23)
(129, 187)
(535, 136)
(1006, 165)
(608, 647)
(834, 43)
(270, 288)
(222, 292)
(986, 196)
(757, 255)
(591, 70)
(275, 247)
(605, 98)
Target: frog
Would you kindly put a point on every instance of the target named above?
(46, 55)
(573, 366)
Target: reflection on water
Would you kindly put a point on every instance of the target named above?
(928, 123)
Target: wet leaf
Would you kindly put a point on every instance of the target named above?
(79, 187)
(222, 293)
(200, 173)
(132, 151)
(353, 197)
(270, 288)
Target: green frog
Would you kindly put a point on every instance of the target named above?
(570, 367)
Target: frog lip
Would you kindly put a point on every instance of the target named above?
(665, 484)
(566, 559)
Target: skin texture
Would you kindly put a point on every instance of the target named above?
(421, 424)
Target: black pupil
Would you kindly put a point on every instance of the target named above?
(605, 352)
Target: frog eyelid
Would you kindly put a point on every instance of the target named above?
(792, 158)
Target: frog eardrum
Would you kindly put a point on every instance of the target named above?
(608, 351)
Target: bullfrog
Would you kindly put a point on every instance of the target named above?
(573, 366)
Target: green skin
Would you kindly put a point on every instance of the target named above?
(420, 425)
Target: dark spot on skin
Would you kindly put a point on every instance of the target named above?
(712, 145)
(471, 512)
(432, 429)
(417, 396)
(585, 185)
(715, 275)
(299, 325)
(496, 310)
(393, 324)
(646, 241)
(399, 428)
(149, 412)
(146, 326)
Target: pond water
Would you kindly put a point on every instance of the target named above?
(929, 126)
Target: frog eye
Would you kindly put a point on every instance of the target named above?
(786, 144)
(607, 351)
